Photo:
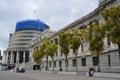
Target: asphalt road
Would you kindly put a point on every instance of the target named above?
(37, 75)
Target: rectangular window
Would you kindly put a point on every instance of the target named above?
(74, 62)
(56, 41)
(54, 64)
(83, 61)
(60, 63)
(49, 64)
(109, 60)
(95, 61)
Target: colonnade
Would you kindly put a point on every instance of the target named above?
(12, 57)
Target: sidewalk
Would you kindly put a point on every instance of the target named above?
(107, 75)
(96, 74)
(38, 75)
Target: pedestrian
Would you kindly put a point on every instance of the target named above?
(13, 69)
(91, 71)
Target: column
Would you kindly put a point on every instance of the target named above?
(31, 58)
(24, 56)
(11, 57)
(6, 59)
(17, 59)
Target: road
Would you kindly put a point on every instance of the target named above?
(36, 75)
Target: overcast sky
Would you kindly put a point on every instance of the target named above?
(56, 13)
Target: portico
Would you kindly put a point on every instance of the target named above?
(12, 57)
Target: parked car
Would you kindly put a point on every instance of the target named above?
(20, 69)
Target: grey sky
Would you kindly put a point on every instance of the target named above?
(56, 13)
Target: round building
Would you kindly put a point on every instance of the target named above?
(18, 48)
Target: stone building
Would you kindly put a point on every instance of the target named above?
(18, 48)
(35, 42)
(109, 58)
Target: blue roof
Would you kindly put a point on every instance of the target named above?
(30, 25)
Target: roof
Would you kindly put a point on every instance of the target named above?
(30, 25)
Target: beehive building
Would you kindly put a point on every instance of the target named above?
(18, 48)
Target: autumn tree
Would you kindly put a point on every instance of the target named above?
(94, 36)
(37, 56)
(51, 49)
(111, 24)
(63, 42)
(43, 45)
(74, 43)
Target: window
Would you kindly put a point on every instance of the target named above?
(54, 64)
(83, 61)
(49, 64)
(83, 27)
(60, 63)
(109, 61)
(56, 41)
(74, 62)
(95, 61)
(37, 48)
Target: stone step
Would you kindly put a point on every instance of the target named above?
(48, 71)
(107, 75)
(71, 73)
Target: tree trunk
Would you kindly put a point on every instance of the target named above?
(98, 65)
(40, 64)
(76, 60)
(53, 64)
(108, 39)
(66, 62)
(46, 63)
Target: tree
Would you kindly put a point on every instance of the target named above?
(51, 49)
(63, 42)
(111, 25)
(74, 43)
(44, 43)
(37, 56)
(94, 36)
(82, 37)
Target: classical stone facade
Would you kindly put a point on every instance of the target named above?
(109, 58)
(36, 41)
